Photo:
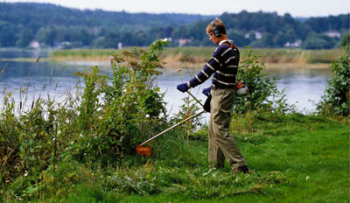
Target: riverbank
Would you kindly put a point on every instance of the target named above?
(274, 58)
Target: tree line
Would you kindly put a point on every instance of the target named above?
(56, 26)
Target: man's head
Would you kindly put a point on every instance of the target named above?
(216, 31)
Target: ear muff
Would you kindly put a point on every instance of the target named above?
(215, 29)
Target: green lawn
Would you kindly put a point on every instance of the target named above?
(292, 158)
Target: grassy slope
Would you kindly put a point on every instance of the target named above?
(294, 158)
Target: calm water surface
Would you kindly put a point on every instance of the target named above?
(303, 87)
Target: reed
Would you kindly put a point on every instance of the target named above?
(201, 54)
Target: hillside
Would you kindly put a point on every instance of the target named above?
(47, 25)
(36, 15)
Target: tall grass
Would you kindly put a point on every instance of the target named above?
(297, 56)
(84, 53)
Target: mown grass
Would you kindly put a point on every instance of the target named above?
(296, 56)
(293, 158)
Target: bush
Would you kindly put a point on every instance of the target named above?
(263, 93)
(31, 140)
(336, 99)
(103, 122)
(117, 113)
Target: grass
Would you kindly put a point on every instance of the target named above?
(293, 158)
(171, 55)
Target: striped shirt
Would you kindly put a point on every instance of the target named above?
(223, 64)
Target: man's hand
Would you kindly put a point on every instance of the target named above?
(183, 87)
(206, 91)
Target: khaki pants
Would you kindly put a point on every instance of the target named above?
(221, 144)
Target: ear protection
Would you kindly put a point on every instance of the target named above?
(215, 29)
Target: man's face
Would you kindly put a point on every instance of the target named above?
(213, 38)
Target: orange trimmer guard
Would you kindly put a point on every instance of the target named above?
(145, 151)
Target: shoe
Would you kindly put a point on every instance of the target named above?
(243, 169)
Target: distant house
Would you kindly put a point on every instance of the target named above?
(295, 44)
(256, 35)
(120, 45)
(61, 45)
(34, 44)
(333, 34)
(182, 42)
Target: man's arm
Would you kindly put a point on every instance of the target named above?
(209, 68)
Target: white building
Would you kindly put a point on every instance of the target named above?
(295, 44)
(34, 44)
(120, 45)
(182, 42)
(256, 35)
(333, 34)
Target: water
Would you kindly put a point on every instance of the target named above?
(303, 87)
(20, 53)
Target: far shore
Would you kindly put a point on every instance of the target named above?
(273, 58)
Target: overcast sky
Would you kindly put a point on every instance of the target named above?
(297, 8)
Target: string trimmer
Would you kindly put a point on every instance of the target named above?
(146, 151)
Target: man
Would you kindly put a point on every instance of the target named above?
(224, 65)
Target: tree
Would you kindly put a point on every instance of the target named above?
(345, 41)
(25, 37)
(47, 36)
(318, 41)
(280, 39)
(238, 38)
(8, 34)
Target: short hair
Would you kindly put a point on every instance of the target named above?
(219, 25)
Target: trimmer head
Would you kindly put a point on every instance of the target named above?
(145, 151)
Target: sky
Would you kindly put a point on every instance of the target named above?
(297, 8)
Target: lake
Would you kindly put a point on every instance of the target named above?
(303, 87)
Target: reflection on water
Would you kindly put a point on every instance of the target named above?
(303, 87)
(300, 85)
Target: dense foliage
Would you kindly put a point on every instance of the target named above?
(50, 25)
(102, 29)
(102, 123)
(263, 93)
(115, 116)
(336, 99)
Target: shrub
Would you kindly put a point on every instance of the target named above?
(103, 122)
(117, 113)
(263, 93)
(33, 139)
(336, 98)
